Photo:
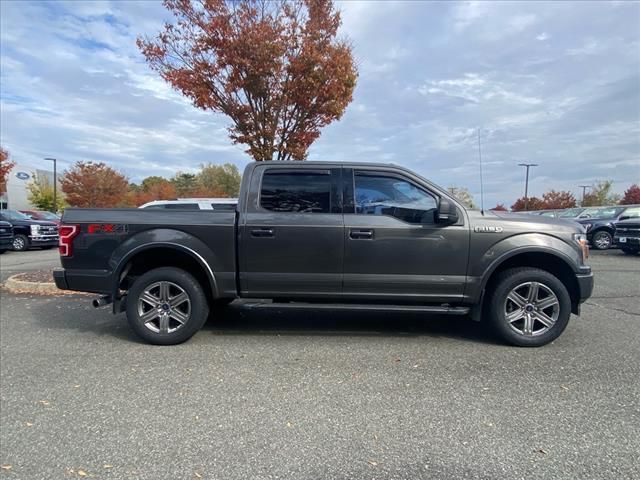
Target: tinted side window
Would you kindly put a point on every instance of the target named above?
(182, 206)
(297, 192)
(390, 195)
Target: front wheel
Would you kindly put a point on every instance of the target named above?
(602, 240)
(20, 243)
(529, 307)
(166, 306)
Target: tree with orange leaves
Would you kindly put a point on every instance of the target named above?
(275, 68)
(89, 184)
(5, 167)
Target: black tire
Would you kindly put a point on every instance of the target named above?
(20, 243)
(2, 251)
(630, 250)
(602, 240)
(199, 309)
(511, 279)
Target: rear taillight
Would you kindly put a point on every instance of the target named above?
(67, 233)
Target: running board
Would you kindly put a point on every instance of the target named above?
(439, 309)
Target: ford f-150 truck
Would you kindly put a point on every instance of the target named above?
(368, 236)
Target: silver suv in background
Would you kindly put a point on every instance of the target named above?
(219, 204)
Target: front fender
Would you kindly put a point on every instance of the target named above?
(484, 263)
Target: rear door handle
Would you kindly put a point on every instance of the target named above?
(361, 234)
(262, 232)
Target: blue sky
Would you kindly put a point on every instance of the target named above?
(554, 83)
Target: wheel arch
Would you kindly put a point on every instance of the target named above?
(163, 254)
(551, 261)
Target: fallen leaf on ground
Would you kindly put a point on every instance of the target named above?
(542, 450)
(564, 387)
(371, 462)
(44, 402)
(82, 473)
(29, 424)
(106, 465)
(289, 424)
(6, 467)
(197, 474)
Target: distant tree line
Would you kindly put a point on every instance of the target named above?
(89, 184)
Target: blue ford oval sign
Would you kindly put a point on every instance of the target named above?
(23, 175)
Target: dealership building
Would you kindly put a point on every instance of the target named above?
(17, 195)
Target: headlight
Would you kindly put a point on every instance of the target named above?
(35, 229)
(581, 239)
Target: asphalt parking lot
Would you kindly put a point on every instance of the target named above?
(318, 395)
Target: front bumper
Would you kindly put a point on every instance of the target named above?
(585, 284)
(43, 240)
(628, 241)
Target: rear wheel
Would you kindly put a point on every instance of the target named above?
(166, 306)
(602, 240)
(529, 307)
(20, 243)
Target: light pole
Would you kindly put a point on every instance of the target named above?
(55, 184)
(584, 188)
(526, 183)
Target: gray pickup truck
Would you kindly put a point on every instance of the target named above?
(368, 236)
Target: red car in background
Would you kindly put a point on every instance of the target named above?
(42, 215)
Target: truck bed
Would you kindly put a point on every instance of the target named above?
(108, 237)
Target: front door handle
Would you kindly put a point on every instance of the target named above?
(361, 234)
(262, 232)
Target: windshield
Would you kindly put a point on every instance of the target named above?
(572, 212)
(14, 215)
(49, 216)
(605, 213)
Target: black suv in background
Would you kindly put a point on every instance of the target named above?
(601, 226)
(29, 233)
(6, 236)
(627, 235)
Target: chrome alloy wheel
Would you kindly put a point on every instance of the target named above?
(164, 307)
(531, 309)
(19, 244)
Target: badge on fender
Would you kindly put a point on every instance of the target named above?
(487, 229)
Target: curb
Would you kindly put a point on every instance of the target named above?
(15, 285)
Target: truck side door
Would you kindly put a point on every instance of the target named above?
(291, 234)
(394, 248)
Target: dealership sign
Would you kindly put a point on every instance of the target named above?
(23, 175)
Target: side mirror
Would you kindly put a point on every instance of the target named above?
(447, 212)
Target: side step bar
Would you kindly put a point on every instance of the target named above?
(436, 309)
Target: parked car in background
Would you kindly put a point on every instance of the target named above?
(6, 236)
(220, 204)
(29, 233)
(601, 226)
(627, 235)
(42, 215)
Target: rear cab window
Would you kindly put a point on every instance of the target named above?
(299, 191)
